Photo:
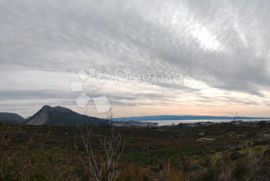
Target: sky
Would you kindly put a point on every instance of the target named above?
(143, 57)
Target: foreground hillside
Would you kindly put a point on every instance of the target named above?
(215, 152)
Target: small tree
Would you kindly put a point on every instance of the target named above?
(105, 165)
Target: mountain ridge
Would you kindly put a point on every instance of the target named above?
(12, 118)
(48, 115)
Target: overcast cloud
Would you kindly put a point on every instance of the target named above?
(220, 44)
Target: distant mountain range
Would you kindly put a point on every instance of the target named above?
(184, 117)
(53, 116)
(48, 115)
(11, 118)
(62, 116)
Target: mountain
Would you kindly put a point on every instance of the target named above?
(184, 117)
(11, 118)
(62, 116)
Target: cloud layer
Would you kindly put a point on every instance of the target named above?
(223, 45)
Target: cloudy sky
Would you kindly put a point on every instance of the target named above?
(145, 57)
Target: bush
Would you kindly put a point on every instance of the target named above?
(236, 155)
(241, 170)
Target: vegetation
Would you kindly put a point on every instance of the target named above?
(216, 152)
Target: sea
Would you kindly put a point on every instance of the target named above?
(176, 122)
